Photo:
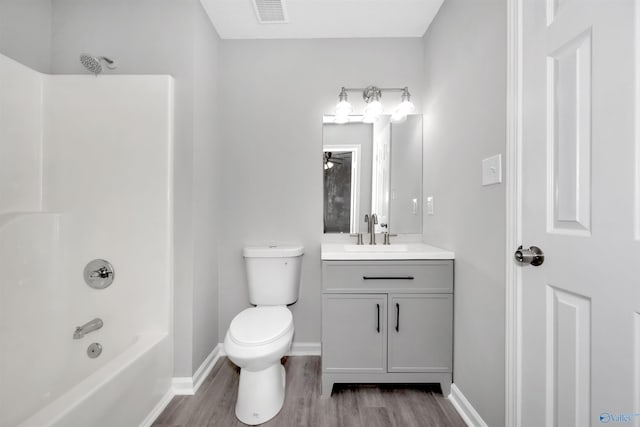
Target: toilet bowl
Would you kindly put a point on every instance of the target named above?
(256, 341)
(258, 337)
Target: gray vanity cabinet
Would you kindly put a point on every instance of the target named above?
(420, 332)
(354, 333)
(387, 322)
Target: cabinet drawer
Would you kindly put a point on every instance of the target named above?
(392, 276)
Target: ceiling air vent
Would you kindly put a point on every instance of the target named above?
(271, 11)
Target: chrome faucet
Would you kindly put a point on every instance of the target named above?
(90, 326)
(371, 227)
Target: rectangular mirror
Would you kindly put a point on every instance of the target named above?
(373, 168)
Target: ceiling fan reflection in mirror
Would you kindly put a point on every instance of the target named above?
(330, 158)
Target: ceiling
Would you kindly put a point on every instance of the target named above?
(236, 19)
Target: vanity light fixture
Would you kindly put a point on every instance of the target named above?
(343, 108)
(405, 108)
(374, 108)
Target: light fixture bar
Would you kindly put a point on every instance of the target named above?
(371, 96)
(362, 89)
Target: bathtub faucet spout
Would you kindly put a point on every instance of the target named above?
(90, 326)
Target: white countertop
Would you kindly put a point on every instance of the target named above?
(395, 251)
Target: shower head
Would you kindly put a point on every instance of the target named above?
(94, 63)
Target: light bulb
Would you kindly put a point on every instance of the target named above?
(373, 108)
(343, 108)
(329, 165)
(406, 107)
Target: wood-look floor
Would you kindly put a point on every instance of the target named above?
(349, 406)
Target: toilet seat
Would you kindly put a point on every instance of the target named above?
(260, 325)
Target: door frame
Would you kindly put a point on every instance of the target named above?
(354, 149)
(637, 120)
(513, 196)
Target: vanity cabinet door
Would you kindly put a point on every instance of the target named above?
(420, 332)
(354, 333)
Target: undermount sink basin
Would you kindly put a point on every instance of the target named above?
(376, 248)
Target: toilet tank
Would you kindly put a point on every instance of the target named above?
(273, 273)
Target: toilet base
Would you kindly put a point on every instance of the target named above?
(260, 394)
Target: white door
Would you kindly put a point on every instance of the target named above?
(580, 310)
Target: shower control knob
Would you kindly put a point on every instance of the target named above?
(533, 256)
(99, 274)
(102, 272)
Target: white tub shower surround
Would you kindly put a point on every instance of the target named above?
(85, 172)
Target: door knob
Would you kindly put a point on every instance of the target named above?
(533, 256)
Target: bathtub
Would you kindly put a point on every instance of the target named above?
(57, 213)
(46, 376)
(121, 393)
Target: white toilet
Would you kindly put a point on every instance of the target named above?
(258, 337)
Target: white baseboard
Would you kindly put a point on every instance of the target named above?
(206, 367)
(157, 410)
(182, 386)
(304, 349)
(464, 408)
(297, 349)
(189, 385)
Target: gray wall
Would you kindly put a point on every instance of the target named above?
(166, 37)
(464, 108)
(206, 190)
(272, 101)
(25, 32)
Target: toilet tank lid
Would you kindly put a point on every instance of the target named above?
(273, 251)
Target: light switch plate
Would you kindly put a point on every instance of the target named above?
(492, 170)
(430, 205)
